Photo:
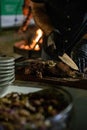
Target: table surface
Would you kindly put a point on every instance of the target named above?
(80, 104)
(79, 99)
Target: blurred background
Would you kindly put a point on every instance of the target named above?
(11, 20)
(10, 13)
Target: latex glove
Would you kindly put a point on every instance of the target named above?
(54, 46)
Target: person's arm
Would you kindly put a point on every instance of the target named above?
(41, 18)
(54, 37)
(26, 10)
(54, 46)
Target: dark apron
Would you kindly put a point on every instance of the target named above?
(78, 35)
(80, 51)
(79, 45)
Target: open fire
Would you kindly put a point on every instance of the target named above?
(35, 45)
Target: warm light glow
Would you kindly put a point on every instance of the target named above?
(22, 46)
(34, 45)
(27, 47)
(39, 34)
(37, 48)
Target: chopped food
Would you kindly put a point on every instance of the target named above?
(40, 69)
(30, 111)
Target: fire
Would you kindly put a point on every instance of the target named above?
(37, 48)
(35, 42)
(38, 35)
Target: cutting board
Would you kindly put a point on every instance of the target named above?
(71, 82)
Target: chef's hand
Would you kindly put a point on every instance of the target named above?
(54, 46)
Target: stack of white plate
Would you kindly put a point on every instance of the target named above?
(7, 71)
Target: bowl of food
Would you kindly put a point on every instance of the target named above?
(46, 109)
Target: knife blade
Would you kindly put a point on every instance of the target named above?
(51, 50)
(67, 60)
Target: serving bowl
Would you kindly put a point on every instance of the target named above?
(46, 109)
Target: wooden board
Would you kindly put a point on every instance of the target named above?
(71, 82)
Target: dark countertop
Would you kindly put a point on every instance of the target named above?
(80, 105)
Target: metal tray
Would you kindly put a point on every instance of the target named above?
(56, 122)
(20, 87)
(79, 96)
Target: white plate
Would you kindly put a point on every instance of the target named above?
(6, 59)
(7, 64)
(22, 88)
(3, 89)
(12, 80)
(6, 78)
(7, 82)
(6, 75)
(7, 67)
(7, 71)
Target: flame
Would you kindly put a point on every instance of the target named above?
(26, 47)
(37, 48)
(39, 34)
(35, 42)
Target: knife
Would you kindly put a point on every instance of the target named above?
(67, 60)
(51, 50)
(51, 47)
